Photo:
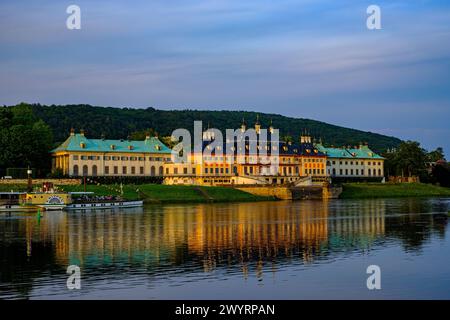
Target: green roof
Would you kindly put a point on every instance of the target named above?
(363, 152)
(78, 142)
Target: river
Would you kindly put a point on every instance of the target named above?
(263, 250)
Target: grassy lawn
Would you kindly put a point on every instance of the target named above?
(390, 190)
(157, 193)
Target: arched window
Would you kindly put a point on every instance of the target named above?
(153, 171)
(379, 172)
(161, 171)
(94, 170)
(334, 171)
(75, 170)
(369, 172)
(85, 170)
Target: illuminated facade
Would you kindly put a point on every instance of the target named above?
(271, 161)
(81, 156)
(355, 163)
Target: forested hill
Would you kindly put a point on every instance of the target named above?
(117, 123)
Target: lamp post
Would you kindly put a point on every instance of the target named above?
(30, 182)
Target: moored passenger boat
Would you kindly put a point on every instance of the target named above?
(50, 199)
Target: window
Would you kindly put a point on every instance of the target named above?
(193, 171)
(106, 158)
(206, 170)
(75, 170)
(153, 171)
(133, 170)
(85, 170)
(185, 170)
(175, 170)
(94, 170)
(357, 171)
(75, 157)
(84, 157)
(340, 172)
(346, 172)
(141, 158)
(160, 170)
(351, 171)
(116, 169)
(124, 170)
(124, 158)
(141, 170)
(106, 169)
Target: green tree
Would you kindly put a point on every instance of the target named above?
(436, 155)
(25, 139)
(408, 159)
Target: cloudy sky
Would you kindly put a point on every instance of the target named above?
(303, 58)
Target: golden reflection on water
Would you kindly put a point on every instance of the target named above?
(225, 233)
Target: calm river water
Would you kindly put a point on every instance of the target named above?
(264, 250)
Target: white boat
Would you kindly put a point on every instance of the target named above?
(104, 205)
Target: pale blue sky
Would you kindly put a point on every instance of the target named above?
(303, 58)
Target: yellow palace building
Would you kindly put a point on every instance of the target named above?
(295, 161)
(82, 156)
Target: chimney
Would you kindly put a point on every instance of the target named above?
(72, 132)
(82, 132)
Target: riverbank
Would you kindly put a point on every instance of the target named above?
(392, 190)
(156, 193)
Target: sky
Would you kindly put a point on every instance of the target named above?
(311, 59)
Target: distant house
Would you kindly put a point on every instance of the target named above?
(82, 156)
(357, 163)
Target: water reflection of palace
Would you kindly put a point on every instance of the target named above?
(209, 236)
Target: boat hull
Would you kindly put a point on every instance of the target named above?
(17, 208)
(104, 205)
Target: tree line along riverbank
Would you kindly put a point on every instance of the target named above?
(157, 193)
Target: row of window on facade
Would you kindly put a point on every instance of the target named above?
(254, 159)
(357, 163)
(357, 172)
(121, 158)
(115, 170)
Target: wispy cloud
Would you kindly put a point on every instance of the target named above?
(301, 58)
